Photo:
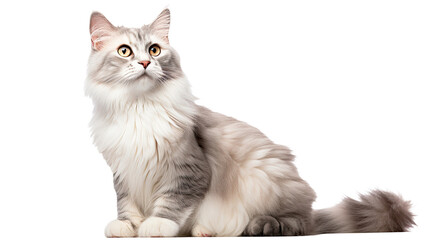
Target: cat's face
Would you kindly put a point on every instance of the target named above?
(139, 59)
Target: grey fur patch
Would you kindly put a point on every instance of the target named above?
(325, 222)
(121, 196)
(190, 183)
(293, 226)
(380, 211)
(119, 188)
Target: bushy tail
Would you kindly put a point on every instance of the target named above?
(378, 211)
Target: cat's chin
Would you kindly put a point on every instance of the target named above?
(142, 85)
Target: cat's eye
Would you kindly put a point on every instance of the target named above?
(124, 51)
(154, 50)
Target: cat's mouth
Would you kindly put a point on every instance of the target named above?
(143, 75)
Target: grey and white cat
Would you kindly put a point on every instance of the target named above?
(180, 169)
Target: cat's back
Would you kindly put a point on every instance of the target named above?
(237, 138)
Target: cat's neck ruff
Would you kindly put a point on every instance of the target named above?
(175, 94)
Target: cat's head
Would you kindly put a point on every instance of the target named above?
(139, 60)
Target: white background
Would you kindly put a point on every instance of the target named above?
(343, 83)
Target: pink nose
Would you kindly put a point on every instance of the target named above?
(144, 63)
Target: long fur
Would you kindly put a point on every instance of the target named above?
(181, 169)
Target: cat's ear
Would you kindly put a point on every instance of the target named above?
(100, 29)
(161, 25)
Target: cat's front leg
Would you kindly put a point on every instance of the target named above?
(169, 215)
(187, 186)
(129, 216)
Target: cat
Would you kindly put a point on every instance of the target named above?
(180, 169)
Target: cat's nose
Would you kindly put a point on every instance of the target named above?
(144, 63)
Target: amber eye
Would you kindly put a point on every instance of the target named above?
(124, 51)
(154, 50)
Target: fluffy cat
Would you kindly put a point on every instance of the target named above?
(180, 169)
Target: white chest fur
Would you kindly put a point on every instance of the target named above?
(136, 143)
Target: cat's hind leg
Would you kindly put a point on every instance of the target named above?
(220, 217)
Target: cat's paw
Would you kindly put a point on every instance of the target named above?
(292, 226)
(263, 226)
(200, 231)
(119, 228)
(158, 227)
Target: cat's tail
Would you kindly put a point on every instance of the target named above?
(377, 211)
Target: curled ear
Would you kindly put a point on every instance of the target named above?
(161, 25)
(100, 29)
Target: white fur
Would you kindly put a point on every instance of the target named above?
(158, 227)
(222, 217)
